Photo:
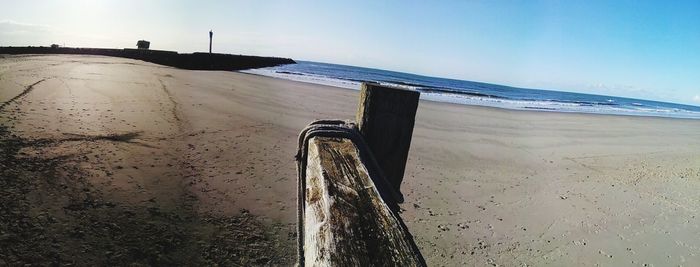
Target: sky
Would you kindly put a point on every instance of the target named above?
(639, 49)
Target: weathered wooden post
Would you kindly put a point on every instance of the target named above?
(349, 180)
(385, 118)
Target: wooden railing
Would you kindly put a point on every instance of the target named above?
(349, 180)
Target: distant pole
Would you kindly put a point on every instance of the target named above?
(385, 118)
(211, 34)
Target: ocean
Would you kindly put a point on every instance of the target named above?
(477, 93)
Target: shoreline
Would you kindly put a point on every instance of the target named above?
(494, 95)
(534, 111)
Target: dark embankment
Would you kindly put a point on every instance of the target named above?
(195, 61)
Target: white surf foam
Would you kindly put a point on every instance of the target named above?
(547, 106)
(308, 78)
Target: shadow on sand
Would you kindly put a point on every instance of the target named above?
(50, 214)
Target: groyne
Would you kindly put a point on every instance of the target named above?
(194, 61)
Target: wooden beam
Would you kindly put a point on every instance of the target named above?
(345, 220)
(385, 118)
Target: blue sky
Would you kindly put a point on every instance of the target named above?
(641, 49)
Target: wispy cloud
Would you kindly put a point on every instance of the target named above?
(11, 27)
(14, 33)
(20, 33)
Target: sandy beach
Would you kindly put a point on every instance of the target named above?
(109, 160)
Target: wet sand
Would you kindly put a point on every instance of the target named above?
(172, 165)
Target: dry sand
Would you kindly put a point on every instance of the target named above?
(109, 160)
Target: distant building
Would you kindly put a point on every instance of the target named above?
(54, 46)
(143, 44)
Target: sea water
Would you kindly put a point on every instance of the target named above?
(477, 93)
